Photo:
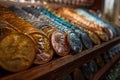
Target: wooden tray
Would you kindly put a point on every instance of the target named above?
(62, 66)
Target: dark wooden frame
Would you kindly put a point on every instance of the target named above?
(64, 65)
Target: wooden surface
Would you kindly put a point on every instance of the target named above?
(106, 67)
(62, 66)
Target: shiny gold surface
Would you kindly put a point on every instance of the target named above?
(5, 30)
(17, 52)
(44, 49)
(42, 55)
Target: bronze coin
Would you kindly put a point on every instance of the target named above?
(59, 43)
(17, 52)
(44, 48)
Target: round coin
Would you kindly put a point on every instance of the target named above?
(5, 29)
(59, 43)
(17, 52)
(75, 42)
(44, 48)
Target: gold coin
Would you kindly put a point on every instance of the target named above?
(5, 30)
(17, 52)
(50, 32)
(44, 48)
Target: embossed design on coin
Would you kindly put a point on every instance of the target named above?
(17, 52)
(59, 43)
(44, 49)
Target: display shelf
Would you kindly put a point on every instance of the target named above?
(62, 66)
(106, 67)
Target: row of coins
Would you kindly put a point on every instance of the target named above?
(92, 22)
(95, 28)
(72, 2)
(113, 73)
(27, 45)
(86, 71)
(15, 52)
(73, 37)
(58, 38)
(61, 34)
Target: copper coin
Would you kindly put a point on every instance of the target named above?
(59, 43)
(17, 52)
(44, 48)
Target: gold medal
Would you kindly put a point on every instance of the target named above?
(17, 52)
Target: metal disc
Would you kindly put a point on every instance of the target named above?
(17, 52)
(59, 43)
(44, 48)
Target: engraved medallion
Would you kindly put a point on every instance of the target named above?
(17, 52)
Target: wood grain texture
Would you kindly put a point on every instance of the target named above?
(106, 67)
(62, 66)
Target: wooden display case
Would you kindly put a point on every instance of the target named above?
(62, 66)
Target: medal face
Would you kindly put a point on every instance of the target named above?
(17, 52)
(44, 48)
(59, 43)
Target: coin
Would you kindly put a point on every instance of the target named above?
(43, 45)
(44, 48)
(17, 52)
(75, 42)
(58, 40)
(5, 29)
(59, 43)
